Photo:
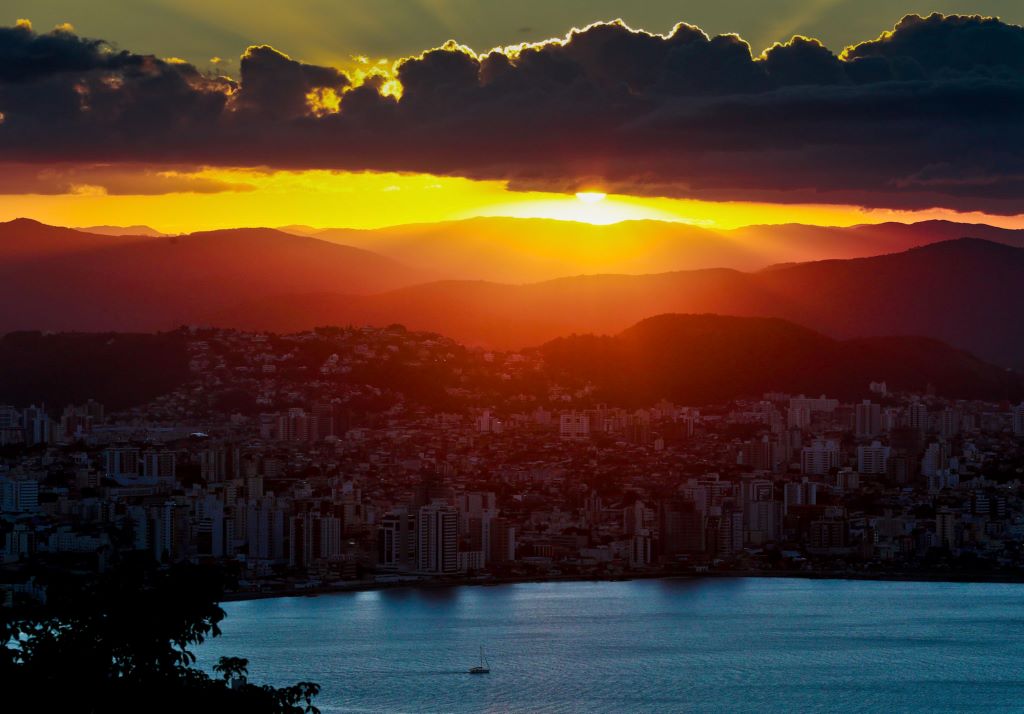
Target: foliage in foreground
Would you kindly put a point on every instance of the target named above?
(120, 642)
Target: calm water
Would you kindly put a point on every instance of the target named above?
(646, 645)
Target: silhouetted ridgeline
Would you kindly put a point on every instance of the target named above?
(527, 250)
(698, 359)
(62, 279)
(119, 370)
(964, 292)
(691, 359)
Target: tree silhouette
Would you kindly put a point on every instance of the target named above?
(121, 642)
(232, 667)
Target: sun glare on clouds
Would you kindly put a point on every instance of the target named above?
(586, 207)
(372, 200)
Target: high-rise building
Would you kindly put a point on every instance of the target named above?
(916, 417)
(1018, 420)
(936, 459)
(10, 417)
(574, 425)
(503, 542)
(330, 537)
(724, 531)
(297, 425)
(820, 457)
(18, 495)
(799, 493)
(945, 529)
(325, 422)
(213, 464)
(827, 533)
(264, 528)
(397, 538)
(476, 511)
(438, 525)
(681, 528)
(303, 539)
(873, 459)
(814, 404)
(798, 417)
(170, 531)
(757, 454)
(947, 423)
(868, 417)
(761, 512)
(122, 463)
(37, 426)
(159, 465)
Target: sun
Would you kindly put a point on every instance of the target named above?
(595, 207)
(591, 196)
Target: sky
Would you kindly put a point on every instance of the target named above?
(194, 115)
(332, 31)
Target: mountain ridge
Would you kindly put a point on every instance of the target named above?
(711, 358)
(963, 292)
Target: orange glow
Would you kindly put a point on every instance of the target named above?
(371, 200)
(323, 100)
(591, 196)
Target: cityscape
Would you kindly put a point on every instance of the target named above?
(457, 356)
(296, 462)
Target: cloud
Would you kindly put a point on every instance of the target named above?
(276, 86)
(118, 180)
(925, 115)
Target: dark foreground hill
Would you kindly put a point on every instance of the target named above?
(697, 359)
(119, 370)
(692, 359)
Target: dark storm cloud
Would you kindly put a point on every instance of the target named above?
(275, 85)
(929, 114)
(26, 56)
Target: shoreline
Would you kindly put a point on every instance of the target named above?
(371, 586)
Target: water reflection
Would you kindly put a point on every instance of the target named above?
(644, 645)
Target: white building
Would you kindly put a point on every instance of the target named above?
(820, 457)
(574, 425)
(873, 459)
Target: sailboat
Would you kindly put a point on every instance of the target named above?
(483, 667)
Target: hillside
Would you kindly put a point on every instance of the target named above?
(118, 370)
(964, 292)
(690, 359)
(25, 239)
(61, 279)
(697, 359)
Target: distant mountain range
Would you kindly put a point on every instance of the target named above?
(516, 250)
(62, 279)
(123, 231)
(700, 359)
(965, 292)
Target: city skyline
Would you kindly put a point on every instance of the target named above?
(466, 355)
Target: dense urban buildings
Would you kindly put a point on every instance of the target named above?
(330, 459)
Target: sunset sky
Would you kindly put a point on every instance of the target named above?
(195, 115)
